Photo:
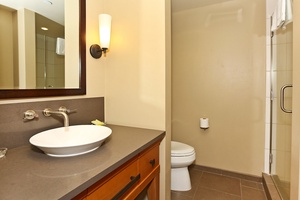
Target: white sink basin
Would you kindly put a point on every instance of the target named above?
(70, 141)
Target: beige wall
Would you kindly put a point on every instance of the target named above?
(296, 106)
(6, 49)
(218, 71)
(135, 68)
(26, 39)
(72, 51)
(135, 64)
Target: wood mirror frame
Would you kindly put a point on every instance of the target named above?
(26, 93)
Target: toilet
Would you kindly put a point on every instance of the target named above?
(182, 155)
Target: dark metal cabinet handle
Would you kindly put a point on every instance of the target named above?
(152, 162)
(133, 179)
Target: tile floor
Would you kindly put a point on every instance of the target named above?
(213, 186)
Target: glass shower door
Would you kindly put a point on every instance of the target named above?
(50, 66)
(281, 110)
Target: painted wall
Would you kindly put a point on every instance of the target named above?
(218, 71)
(26, 41)
(135, 68)
(71, 50)
(6, 49)
(135, 63)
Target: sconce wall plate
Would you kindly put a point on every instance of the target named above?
(96, 51)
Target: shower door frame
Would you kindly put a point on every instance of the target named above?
(282, 186)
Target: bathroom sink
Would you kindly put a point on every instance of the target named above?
(70, 141)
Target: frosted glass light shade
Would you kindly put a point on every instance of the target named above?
(104, 30)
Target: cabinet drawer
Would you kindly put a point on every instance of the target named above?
(148, 161)
(107, 189)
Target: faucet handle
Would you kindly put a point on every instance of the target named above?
(65, 110)
(47, 111)
(30, 115)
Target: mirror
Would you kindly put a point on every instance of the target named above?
(77, 88)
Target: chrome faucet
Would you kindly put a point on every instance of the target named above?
(47, 112)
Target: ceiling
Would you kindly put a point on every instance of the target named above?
(52, 9)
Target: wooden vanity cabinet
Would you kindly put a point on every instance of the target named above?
(130, 179)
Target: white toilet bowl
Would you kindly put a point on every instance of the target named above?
(182, 155)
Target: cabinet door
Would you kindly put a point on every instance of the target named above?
(148, 161)
(107, 189)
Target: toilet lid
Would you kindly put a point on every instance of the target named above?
(179, 149)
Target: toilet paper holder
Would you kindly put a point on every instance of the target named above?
(204, 123)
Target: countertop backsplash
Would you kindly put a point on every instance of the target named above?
(15, 131)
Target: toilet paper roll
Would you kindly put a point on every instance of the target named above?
(204, 123)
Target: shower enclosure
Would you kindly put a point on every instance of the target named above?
(50, 63)
(281, 109)
(50, 71)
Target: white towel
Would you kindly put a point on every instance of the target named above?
(281, 11)
(282, 14)
(288, 13)
(60, 46)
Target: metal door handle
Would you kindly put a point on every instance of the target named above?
(282, 98)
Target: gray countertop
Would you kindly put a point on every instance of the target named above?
(27, 173)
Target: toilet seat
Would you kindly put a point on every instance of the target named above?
(179, 149)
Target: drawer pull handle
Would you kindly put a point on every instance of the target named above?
(152, 162)
(133, 179)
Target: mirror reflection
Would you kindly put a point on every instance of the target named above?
(32, 50)
(50, 53)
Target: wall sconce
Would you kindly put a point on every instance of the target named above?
(104, 33)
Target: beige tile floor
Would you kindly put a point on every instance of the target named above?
(210, 186)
